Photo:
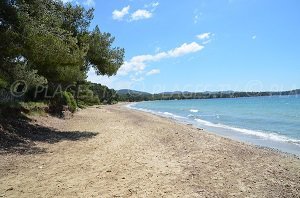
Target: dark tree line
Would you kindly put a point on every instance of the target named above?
(140, 96)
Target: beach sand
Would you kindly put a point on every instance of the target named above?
(136, 154)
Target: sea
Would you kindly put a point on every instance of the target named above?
(270, 121)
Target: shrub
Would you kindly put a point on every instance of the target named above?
(87, 98)
(10, 109)
(34, 108)
(70, 101)
(60, 100)
(16, 109)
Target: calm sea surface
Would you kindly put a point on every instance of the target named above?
(266, 121)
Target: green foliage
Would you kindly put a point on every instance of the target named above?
(69, 100)
(86, 96)
(43, 29)
(61, 101)
(47, 42)
(3, 83)
(16, 108)
(29, 76)
(142, 96)
(105, 95)
(34, 108)
(10, 109)
(106, 60)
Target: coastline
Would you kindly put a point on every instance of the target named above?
(140, 154)
(259, 137)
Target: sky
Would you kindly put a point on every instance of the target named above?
(202, 45)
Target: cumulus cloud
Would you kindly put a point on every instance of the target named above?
(141, 14)
(119, 14)
(132, 72)
(138, 63)
(136, 15)
(113, 82)
(185, 49)
(152, 72)
(204, 36)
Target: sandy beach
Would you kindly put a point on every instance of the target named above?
(135, 154)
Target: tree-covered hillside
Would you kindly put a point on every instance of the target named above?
(135, 96)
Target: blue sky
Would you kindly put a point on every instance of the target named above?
(203, 45)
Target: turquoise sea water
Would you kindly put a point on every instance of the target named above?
(266, 121)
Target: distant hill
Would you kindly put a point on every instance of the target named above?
(188, 92)
(135, 96)
(176, 92)
(131, 92)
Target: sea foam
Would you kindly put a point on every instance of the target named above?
(261, 134)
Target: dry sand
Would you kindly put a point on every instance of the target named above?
(136, 154)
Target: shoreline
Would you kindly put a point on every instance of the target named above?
(177, 121)
(139, 154)
(229, 132)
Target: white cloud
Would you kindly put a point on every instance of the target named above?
(185, 49)
(155, 4)
(157, 49)
(206, 42)
(138, 63)
(152, 72)
(254, 37)
(119, 14)
(197, 16)
(141, 14)
(89, 3)
(204, 36)
(66, 1)
(136, 67)
(137, 15)
(136, 79)
(152, 5)
(112, 82)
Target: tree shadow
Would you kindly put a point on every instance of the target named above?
(19, 135)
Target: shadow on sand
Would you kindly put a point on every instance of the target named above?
(18, 135)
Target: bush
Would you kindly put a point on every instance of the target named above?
(87, 98)
(34, 108)
(60, 100)
(70, 101)
(10, 109)
(16, 109)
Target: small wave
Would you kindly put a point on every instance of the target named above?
(194, 110)
(271, 136)
(168, 114)
(130, 105)
(165, 114)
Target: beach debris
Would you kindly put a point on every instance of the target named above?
(10, 189)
